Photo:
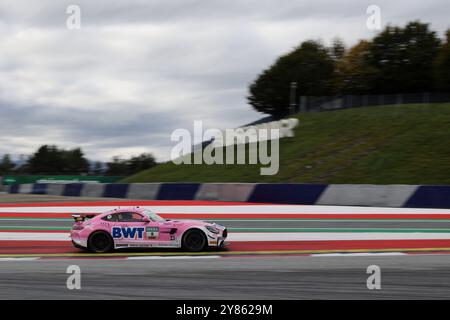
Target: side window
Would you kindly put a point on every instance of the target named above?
(129, 217)
(110, 217)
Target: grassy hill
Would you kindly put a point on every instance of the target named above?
(397, 144)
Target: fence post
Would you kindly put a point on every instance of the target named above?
(293, 97)
(426, 97)
(302, 103)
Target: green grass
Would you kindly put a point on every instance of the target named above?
(405, 144)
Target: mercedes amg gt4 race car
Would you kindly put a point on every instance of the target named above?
(142, 228)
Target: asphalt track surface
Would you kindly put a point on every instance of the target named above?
(217, 276)
(402, 277)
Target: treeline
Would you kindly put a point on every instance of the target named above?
(51, 160)
(408, 59)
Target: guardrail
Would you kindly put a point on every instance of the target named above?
(412, 196)
(323, 103)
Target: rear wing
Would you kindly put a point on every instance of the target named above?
(83, 217)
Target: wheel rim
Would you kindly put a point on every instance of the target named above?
(100, 242)
(195, 241)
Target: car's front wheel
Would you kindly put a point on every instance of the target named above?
(194, 240)
(100, 242)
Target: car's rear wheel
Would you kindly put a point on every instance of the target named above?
(100, 242)
(194, 240)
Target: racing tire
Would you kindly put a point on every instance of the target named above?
(194, 240)
(100, 242)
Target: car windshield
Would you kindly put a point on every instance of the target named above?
(153, 216)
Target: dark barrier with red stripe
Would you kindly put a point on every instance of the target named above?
(287, 193)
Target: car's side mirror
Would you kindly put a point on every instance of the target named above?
(146, 220)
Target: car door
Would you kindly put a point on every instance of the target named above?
(129, 230)
(158, 234)
(132, 229)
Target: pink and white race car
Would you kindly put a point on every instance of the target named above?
(141, 228)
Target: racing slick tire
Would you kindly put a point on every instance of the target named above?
(194, 240)
(100, 242)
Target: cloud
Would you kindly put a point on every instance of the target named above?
(139, 69)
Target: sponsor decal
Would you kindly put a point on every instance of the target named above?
(164, 244)
(134, 245)
(152, 232)
(128, 232)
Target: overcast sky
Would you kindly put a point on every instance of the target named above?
(138, 69)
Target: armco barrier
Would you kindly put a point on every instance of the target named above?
(178, 191)
(55, 189)
(26, 188)
(119, 190)
(72, 189)
(93, 190)
(430, 197)
(367, 195)
(15, 189)
(287, 193)
(39, 188)
(224, 191)
(146, 191)
(411, 196)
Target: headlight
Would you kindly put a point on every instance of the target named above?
(212, 229)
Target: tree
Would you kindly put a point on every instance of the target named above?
(310, 65)
(404, 58)
(141, 162)
(75, 162)
(117, 167)
(6, 165)
(45, 160)
(442, 66)
(130, 166)
(48, 159)
(337, 49)
(354, 75)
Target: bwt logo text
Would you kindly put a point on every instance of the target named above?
(256, 144)
(128, 232)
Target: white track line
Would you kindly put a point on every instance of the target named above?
(333, 236)
(248, 209)
(35, 236)
(259, 236)
(171, 257)
(359, 254)
(19, 259)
